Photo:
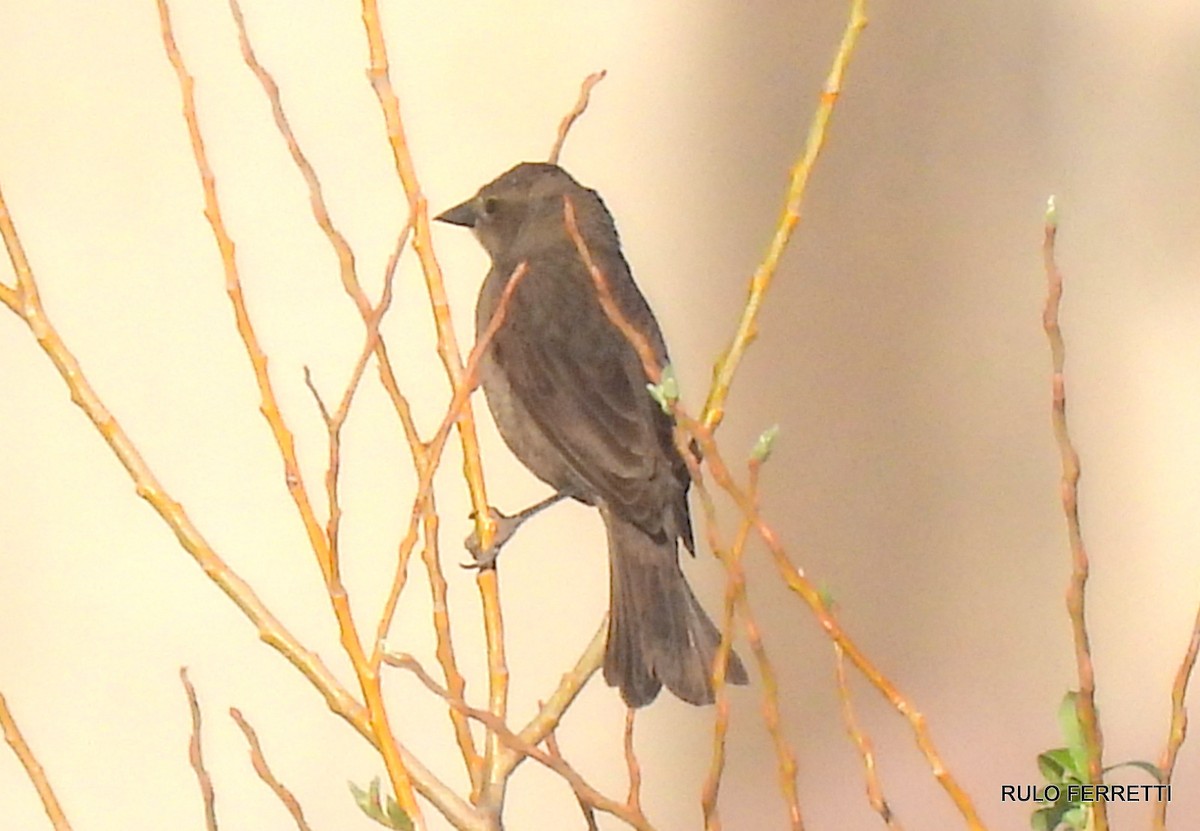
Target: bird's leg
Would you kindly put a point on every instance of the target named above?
(506, 526)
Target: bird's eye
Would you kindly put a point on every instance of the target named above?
(490, 204)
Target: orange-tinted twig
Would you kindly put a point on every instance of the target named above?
(791, 575)
(634, 800)
(772, 717)
(604, 295)
(589, 813)
(861, 741)
(556, 763)
(33, 769)
(269, 405)
(448, 351)
(370, 316)
(270, 629)
(1069, 492)
(585, 94)
(435, 446)
(264, 771)
(794, 578)
(551, 712)
(747, 328)
(722, 714)
(196, 757)
(368, 680)
(1179, 721)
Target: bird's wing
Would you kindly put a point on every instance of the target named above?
(583, 385)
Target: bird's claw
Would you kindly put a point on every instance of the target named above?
(487, 559)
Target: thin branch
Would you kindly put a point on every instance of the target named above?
(1069, 491)
(334, 422)
(368, 680)
(585, 93)
(630, 814)
(589, 813)
(1179, 721)
(634, 800)
(747, 328)
(603, 293)
(196, 757)
(772, 716)
(722, 715)
(791, 575)
(370, 317)
(22, 298)
(569, 686)
(264, 771)
(802, 586)
(270, 630)
(447, 344)
(865, 751)
(269, 404)
(455, 682)
(737, 599)
(33, 769)
(316, 198)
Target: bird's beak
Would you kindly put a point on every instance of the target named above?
(463, 214)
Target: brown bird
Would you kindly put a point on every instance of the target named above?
(569, 396)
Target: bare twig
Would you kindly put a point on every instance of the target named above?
(585, 92)
(772, 717)
(747, 328)
(865, 751)
(604, 294)
(589, 813)
(791, 575)
(270, 629)
(630, 814)
(734, 583)
(737, 599)
(634, 799)
(1179, 721)
(569, 686)
(196, 757)
(33, 768)
(448, 350)
(336, 420)
(1069, 491)
(368, 680)
(802, 586)
(264, 771)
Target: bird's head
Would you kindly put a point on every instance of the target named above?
(501, 210)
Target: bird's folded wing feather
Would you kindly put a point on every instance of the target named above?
(586, 390)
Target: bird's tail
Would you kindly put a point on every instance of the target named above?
(657, 632)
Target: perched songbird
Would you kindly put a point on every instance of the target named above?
(568, 393)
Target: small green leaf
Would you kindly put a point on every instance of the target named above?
(368, 800)
(1056, 764)
(1071, 814)
(397, 818)
(1068, 721)
(666, 391)
(1051, 211)
(766, 441)
(1046, 819)
(1076, 816)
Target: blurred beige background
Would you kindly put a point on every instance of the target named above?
(901, 352)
